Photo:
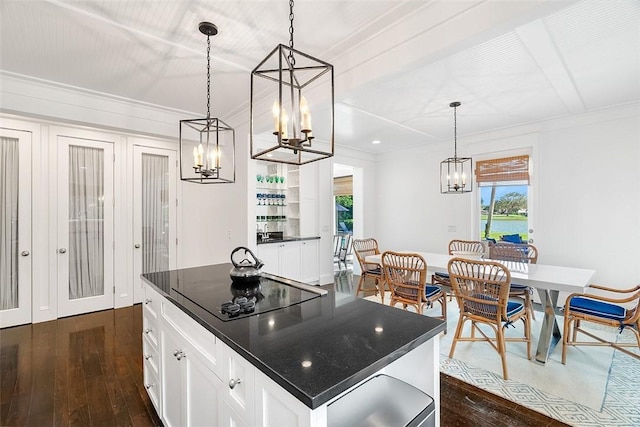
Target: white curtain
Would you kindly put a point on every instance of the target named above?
(86, 222)
(8, 223)
(155, 213)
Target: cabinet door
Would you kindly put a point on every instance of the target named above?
(269, 255)
(203, 391)
(230, 418)
(173, 373)
(275, 407)
(290, 260)
(309, 261)
(238, 384)
(15, 227)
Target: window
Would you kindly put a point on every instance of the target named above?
(504, 198)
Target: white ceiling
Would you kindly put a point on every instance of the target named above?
(398, 64)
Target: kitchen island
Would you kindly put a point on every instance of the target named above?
(284, 364)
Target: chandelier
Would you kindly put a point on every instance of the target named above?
(284, 87)
(207, 145)
(455, 172)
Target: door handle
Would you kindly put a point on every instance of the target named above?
(25, 253)
(62, 250)
(137, 246)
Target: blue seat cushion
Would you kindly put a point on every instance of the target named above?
(518, 287)
(430, 290)
(511, 238)
(597, 308)
(514, 308)
(442, 275)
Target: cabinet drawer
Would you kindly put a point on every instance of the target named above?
(150, 329)
(152, 302)
(151, 355)
(152, 385)
(203, 340)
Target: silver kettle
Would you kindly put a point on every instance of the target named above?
(246, 271)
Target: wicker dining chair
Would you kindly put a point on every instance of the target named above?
(406, 277)
(457, 246)
(481, 289)
(521, 253)
(610, 307)
(371, 273)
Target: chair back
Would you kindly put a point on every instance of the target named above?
(363, 248)
(516, 252)
(466, 246)
(480, 287)
(406, 275)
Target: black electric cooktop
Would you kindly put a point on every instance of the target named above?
(232, 301)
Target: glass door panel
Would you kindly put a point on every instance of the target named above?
(154, 213)
(85, 253)
(15, 227)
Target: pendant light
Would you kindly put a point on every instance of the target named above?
(285, 87)
(207, 145)
(456, 172)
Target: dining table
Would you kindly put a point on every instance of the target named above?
(548, 280)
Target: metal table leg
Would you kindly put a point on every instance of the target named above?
(550, 332)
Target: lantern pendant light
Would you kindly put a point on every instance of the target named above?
(456, 172)
(285, 87)
(207, 145)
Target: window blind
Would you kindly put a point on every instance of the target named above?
(511, 169)
(343, 186)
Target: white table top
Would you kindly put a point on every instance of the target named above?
(540, 276)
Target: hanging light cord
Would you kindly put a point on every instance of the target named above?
(455, 134)
(208, 76)
(291, 58)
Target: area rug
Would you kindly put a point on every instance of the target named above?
(597, 386)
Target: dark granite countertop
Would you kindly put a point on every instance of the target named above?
(285, 239)
(346, 339)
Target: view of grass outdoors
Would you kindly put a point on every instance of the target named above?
(344, 214)
(504, 211)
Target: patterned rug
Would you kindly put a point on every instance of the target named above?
(597, 387)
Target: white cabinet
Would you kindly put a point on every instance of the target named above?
(238, 388)
(275, 407)
(182, 365)
(151, 346)
(297, 260)
(309, 261)
(269, 254)
(290, 260)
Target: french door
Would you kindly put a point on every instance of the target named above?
(85, 225)
(154, 213)
(15, 227)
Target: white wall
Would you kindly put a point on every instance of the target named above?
(587, 190)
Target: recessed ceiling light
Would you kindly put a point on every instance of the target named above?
(306, 363)
(376, 141)
(379, 329)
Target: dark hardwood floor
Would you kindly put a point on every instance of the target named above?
(87, 371)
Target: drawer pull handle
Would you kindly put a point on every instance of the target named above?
(147, 331)
(233, 383)
(147, 357)
(147, 301)
(148, 386)
(179, 354)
